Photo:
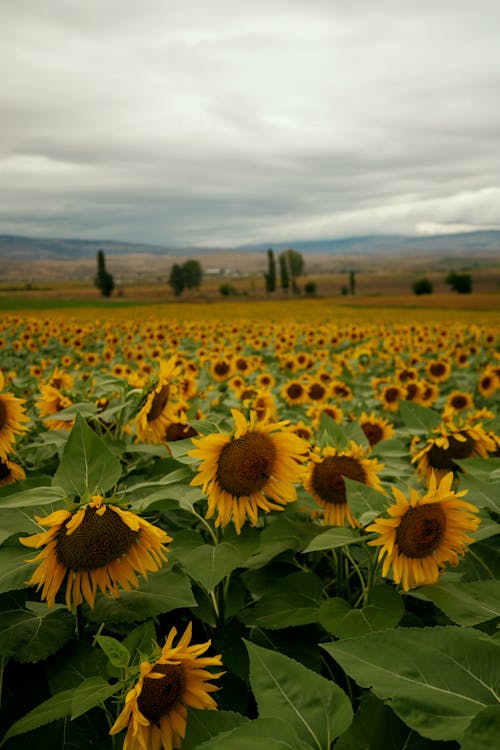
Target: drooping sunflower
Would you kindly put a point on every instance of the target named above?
(13, 420)
(424, 533)
(160, 406)
(155, 710)
(97, 546)
(375, 428)
(253, 468)
(449, 441)
(324, 480)
(10, 472)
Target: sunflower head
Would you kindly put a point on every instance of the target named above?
(96, 546)
(155, 710)
(324, 479)
(424, 533)
(253, 468)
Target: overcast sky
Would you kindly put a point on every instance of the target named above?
(224, 122)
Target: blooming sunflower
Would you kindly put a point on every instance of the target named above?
(98, 546)
(50, 402)
(450, 441)
(155, 710)
(293, 392)
(459, 401)
(160, 406)
(12, 420)
(424, 533)
(10, 472)
(375, 428)
(240, 471)
(324, 480)
(391, 396)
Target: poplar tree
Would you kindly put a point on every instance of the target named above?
(270, 276)
(103, 280)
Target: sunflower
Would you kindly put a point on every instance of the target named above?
(12, 420)
(450, 441)
(459, 401)
(155, 710)
(240, 471)
(316, 391)
(375, 428)
(424, 533)
(10, 472)
(391, 396)
(264, 405)
(293, 392)
(160, 406)
(324, 480)
(488, 383)
(438, 370)
(331, 410)
(50, 402)
(98, 545)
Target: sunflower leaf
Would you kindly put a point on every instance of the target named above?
(334, 537)
(117, 653)
(87, 464)
(384, 610)
(203, 726)
(417, 418)
(33, 497)
(29, 636)
(14, 568)
(271, 733)
(316, 708)
(437, 679)
(483, 494)
(466, 603)
(482, 732)
(365, 502)
(90, 693)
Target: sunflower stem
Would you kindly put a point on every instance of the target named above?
(207, 526)
(364, 587)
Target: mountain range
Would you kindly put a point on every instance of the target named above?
(17, 247)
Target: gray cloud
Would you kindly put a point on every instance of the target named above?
(211, 123)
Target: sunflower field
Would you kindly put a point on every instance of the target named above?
(216, 533)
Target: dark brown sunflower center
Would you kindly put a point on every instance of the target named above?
(437, 369)
(179, 431)
(159, 402)
(245, 464)
(294, 390)
(442, 458)
(459, 402)
(421, 530)
(411, 391)
(4, 470)
(316, 392)
(391, 394)
(97, 541)
(328, 478)
(373, 432)
(221, 368)
(3, 414)
(159, 696)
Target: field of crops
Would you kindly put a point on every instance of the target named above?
(224, 525)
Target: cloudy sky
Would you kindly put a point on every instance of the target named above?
(218, 122)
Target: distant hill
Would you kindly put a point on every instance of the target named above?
(13, 247)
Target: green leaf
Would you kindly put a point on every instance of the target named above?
(50, 710)
(163, 592)
(437, 678)
(292, 601)
(140, 641)
(483, 494)
(33, 497)
(14, 570)
(466, 603)
(281, 534)
(87, 464)
(384, 610)
(209, 564)
(30, 637)
(203, 726)
(365, 502)
(90, 693)
(483, 731)
(417, 418)
(117, 653)
(335, 537)
(18, 521)
(316, 708)
(270, 733)
(330, 433)
(483, 469)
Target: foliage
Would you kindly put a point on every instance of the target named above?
(319, 650)
(310, 288)
(228, 290)
(270, 276)
(103, 280)
(192, 273)
(291, 267)
(352, 282)
(422, 286)
(176, 279)
(460, 282)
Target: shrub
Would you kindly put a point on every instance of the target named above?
(460, 282)
(423, 286)
(310, 288)
(228, 290)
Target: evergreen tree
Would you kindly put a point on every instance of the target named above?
(103, 280)
(460, 282)
(284, 275)
(270, 276)
(352, 282)
(293, 262)
(176, 279)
